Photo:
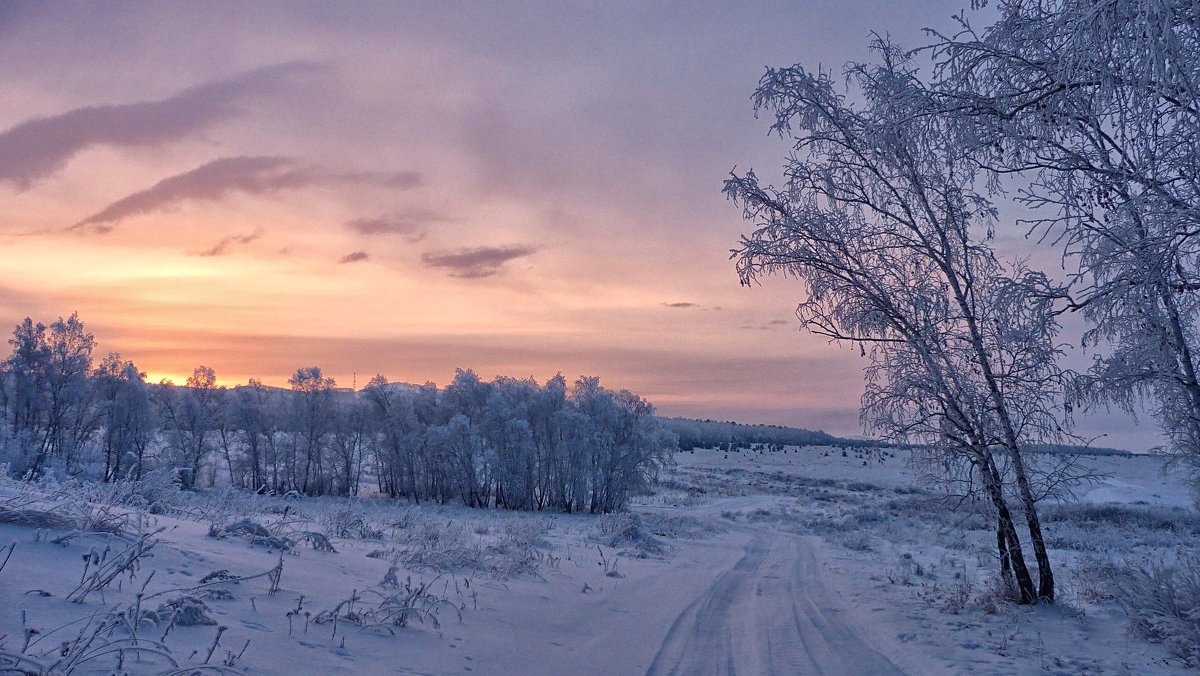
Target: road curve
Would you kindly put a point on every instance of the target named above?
(771, 613)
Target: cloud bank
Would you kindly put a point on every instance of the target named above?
(40, 147)
(216, 180)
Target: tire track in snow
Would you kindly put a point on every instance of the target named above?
(769, 614)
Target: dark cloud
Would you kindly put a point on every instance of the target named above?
(474, 263)
(251, 175)
(354, 257)
(686, 305)
(222, 247)
(411, 224)
(37, 148)
(767, 326)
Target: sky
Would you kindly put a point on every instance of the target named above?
(406, 188)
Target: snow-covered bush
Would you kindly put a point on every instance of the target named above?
(629, 533)
(1163, 603)
(1095, 528)
(350, 520)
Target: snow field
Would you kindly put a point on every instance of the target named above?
(759, 562)
(922, 568)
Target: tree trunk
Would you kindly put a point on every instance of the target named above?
(1006, 534)
(1006, 571)
(999, 403)
(1045, 574)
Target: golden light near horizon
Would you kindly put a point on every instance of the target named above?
(155, 377)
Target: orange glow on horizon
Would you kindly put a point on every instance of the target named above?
(173, 378)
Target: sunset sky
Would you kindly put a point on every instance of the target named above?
(520, 188)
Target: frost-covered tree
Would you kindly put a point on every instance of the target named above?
(624, 443)
(1096, 105)
(310, 422)
(126, 417)
(509, 439)
(349, 443)
(191, 420)
(512, 444)
(47, 394)
(22, 390)
(880, 220)
(459, 453)
(248, 416)
(545, 415)
(460, 443)
(401, 466)
(71, 413)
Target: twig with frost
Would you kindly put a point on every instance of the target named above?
(274, 575)
(8, 554)
(106, 570)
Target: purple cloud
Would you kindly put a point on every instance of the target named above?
(37, 148)
(766, 326)
(222, 247)
(354, 257)
(214, 181)
(478, 262)
(410, 224)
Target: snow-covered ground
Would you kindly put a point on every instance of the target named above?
(805, 561)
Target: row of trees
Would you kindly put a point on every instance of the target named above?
(505, 443)
(513, 443)
(1085, 113)
(714, 433)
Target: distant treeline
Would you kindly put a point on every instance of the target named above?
(506, 443)
(728, 434)
(713, 433)
(1074, 449)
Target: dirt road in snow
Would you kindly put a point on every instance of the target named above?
(771, 613)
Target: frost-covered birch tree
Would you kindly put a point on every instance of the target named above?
(310, 422)
(190, 420)
(252, 413)
(127, 417)
(400, 451)
(1096, 106)
(510, 443)
(880, 220)
(47, 395)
